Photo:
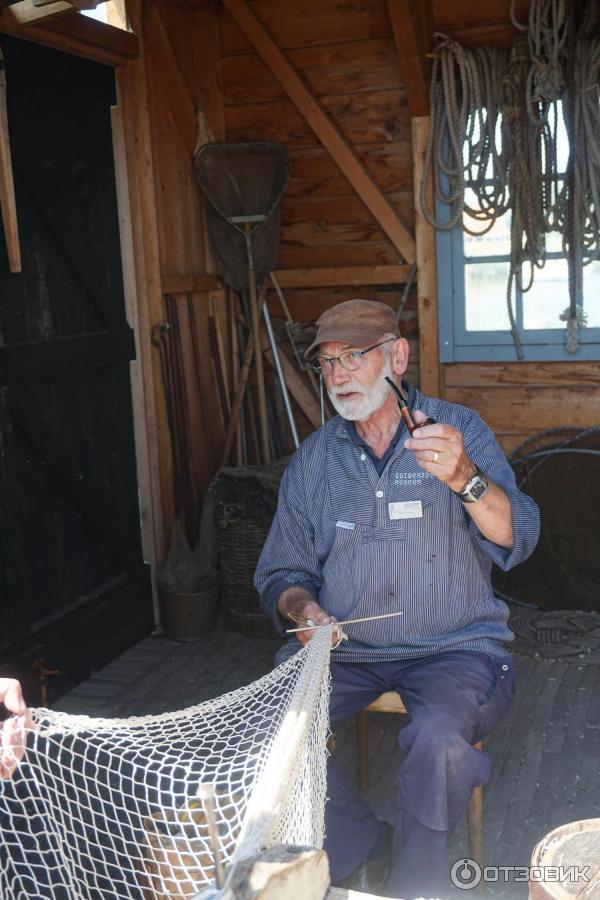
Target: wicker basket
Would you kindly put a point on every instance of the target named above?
(245, 502)
(240, 544)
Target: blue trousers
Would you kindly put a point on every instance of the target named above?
(454, 699)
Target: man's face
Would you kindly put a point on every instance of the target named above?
(357, 395)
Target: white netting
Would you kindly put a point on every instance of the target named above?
(110, 808)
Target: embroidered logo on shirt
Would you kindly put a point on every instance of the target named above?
(410, 478)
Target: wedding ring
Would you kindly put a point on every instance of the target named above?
(436, 456)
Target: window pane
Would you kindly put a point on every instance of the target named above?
(562, 140)
(485, 296)
(549, 296)
(495, 243)
(591, 293)
(554, 243)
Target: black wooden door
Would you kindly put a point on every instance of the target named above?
(74, 589)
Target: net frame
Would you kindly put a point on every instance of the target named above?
(245, 235)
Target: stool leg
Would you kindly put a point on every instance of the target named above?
(362, 749)
(475, 825)
(475, 820)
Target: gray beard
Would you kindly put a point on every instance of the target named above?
(362, 408)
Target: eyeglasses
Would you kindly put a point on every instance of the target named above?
(350, 360)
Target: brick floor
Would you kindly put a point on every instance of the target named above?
(546, 752)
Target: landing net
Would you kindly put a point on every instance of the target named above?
(111, 808)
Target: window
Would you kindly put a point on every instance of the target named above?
(472, 291)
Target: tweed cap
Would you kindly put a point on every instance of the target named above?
(355, 322)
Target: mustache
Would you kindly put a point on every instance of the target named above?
(346, 389)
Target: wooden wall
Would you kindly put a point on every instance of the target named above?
(161, 91)
(349, 62)
(346, 54)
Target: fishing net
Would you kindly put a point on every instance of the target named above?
(243, 183)
(112, 808)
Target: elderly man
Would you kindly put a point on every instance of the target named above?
(373, 520)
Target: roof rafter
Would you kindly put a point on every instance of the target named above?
(412, 27)
(329, 135)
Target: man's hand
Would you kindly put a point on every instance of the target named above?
(440, 450)
(13, 731)
(296, 604)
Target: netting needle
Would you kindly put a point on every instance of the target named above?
(344, 622)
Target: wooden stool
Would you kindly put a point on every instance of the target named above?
(391, 702)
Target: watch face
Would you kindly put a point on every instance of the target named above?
(478, 488)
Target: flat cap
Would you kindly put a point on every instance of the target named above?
(354, 322)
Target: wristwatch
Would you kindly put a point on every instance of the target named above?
(475, 488)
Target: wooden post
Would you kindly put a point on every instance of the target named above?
(143, 445)
(7, 188)
(429, 343)
(235, 368)
(412, 29)
(133, 100)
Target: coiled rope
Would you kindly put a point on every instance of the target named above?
(494, 125)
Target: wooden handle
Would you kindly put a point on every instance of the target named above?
(235, 350)
(238, 399)
(258, 361)
(7, 188)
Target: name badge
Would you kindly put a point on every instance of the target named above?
(349, 525)
(408, 509)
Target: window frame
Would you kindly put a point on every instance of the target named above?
(459, 345)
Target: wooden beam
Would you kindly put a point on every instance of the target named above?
(77, 4)
(342, 276)
(410, 21)
(160, 50)
(207, 78)
(574, 373)
(206, 38)
(429, 342)
(141, 211)
(81, 36)
(297, 383)
(7, 189)
(18, 16)
(322, 125)
(143, 449)
(186, 284)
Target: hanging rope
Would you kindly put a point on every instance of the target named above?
(581, 236)
(531, 153)
(494, 133)
(546, 35)
(465, 140)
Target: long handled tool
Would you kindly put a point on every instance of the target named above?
(240, 450)
(243, 185)
(7, 189)
(281, 376)
(344, 622)
(258, 360)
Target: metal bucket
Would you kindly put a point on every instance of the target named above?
(187, 617)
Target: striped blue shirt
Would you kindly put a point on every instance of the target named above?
(337, 534)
